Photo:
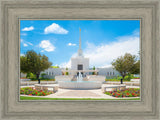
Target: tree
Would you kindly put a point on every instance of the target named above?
(93, 73)
(124, 64)
(23, 64)
(136, 68)
(67, 71)
(34, 63)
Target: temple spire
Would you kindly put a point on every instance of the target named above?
(80, 49)
(79, 38)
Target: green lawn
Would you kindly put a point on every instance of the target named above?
(39, 98)
(41, 80)
(115, 80)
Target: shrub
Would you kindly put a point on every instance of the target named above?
(43, 74)
(128, 77)
(66, 72)
(118, 78)
(34, 92)
(130, 92)
(31, 76)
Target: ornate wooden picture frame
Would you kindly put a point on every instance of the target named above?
(147, 11)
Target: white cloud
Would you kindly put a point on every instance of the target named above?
(136, 32)
(30, 43)
(103, 55)
(22, 55)
(28, 28)
(71, 44)
(25, 45)
(55, 28)
(47, 46)
(42, 50)
(65, 64)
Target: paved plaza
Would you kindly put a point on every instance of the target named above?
(70, 93)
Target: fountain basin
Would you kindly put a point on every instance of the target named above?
(80, 85)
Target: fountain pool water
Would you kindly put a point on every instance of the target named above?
(80, 84)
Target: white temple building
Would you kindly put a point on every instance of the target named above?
(81, 64)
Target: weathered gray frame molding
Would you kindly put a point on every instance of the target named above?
(145, 10)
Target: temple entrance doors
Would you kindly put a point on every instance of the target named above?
(80, 67)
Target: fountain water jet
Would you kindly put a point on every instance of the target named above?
(79, 77)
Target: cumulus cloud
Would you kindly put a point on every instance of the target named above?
(102, 55)
(28, 28)
(71, 44)
(55, 28)
(65, 64)
(47, 46)
(25, 45)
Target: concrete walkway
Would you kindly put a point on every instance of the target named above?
(70, 93)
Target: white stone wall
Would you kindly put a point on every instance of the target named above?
(108, 71)
(80, 60)
(99, 78)
(63, 78)
(53, 71)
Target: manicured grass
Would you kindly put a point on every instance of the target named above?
(45, 80)
(39, 98)
(115, 80)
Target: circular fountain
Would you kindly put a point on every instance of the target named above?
(80, 84)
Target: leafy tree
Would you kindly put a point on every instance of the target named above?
(93, 73)
(67, 72)
(31, 75)
(23, 64)
(34, 63)
(124, 64)
(136, 68)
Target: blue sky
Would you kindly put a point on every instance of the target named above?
(102, 40)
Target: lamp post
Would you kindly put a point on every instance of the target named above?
(39, 81)
(121, 81)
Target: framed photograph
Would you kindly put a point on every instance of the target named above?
(100, 59)
(105, 66)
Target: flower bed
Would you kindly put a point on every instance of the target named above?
(34, 92)
(130, 92)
